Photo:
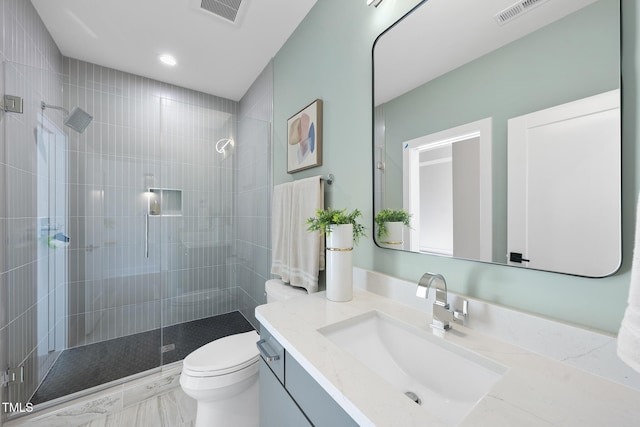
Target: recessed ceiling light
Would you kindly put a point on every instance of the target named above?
(168, 59)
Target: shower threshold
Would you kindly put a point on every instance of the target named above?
(118, 359)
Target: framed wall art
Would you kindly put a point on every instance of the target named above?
(304, 138)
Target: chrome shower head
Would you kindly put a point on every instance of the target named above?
(77, 120)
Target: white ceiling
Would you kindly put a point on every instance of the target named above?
(213, 55)
(442, 35)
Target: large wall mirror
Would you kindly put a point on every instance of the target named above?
(497, 128)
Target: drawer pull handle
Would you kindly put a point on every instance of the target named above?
(263, 351)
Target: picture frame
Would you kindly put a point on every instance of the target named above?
(304, 138)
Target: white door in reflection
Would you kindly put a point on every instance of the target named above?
(564, 208)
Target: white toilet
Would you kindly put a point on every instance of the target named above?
(222, 376)
(277, 290)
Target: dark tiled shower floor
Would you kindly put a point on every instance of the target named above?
(84, 367)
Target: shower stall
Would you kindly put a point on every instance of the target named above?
(121, 250)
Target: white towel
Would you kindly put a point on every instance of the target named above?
(281, 229)
(307, 248)
(297, 254)
(629, 334)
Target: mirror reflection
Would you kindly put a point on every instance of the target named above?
(498, 131)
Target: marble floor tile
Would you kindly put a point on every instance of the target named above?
(77, 413)
(172, 409)
(147, 389)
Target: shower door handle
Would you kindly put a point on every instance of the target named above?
(146, 235)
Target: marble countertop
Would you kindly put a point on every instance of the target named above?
(535, 391)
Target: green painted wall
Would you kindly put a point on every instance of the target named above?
(329, 57)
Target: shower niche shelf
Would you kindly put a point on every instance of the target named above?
(165, 202)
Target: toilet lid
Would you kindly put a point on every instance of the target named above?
(224, 355)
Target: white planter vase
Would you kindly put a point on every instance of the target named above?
(339, 261)
(394, 234)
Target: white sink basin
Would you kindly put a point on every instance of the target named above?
(449, 380)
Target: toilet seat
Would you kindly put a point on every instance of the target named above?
(223, 356)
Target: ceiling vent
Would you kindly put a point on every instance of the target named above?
(516, 9)
(229, 10)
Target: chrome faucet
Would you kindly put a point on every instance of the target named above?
(442, 316)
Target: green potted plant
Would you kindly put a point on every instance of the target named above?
(391, 223)
(342, 230)
(326, 220)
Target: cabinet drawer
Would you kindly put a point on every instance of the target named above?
(272, 353)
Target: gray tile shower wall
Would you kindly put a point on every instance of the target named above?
(254, 193)
(31, 68)
(147, 135)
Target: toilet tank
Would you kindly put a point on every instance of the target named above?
(277, 290)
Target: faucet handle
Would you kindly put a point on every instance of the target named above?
(462, 315)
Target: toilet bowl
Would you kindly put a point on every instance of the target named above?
(222, 376)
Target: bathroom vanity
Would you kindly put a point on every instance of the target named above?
(503, 368)
(289, 396)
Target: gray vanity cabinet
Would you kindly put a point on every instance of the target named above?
(277, 408)
(289, 396)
